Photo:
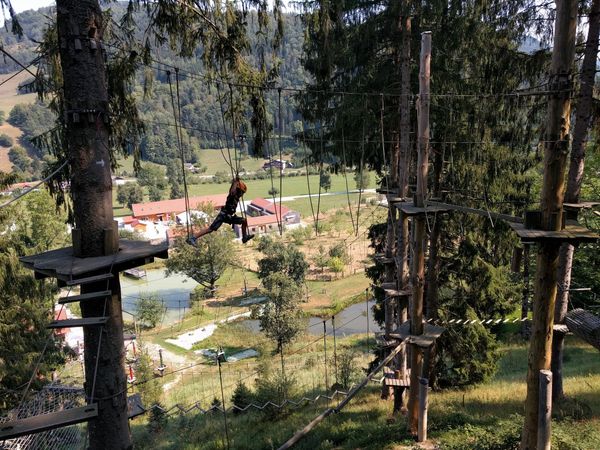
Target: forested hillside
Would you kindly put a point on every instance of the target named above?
(202, 112)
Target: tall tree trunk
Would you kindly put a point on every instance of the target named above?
(580, 131)
(555, 158)
(402, 233)
(419, 235)
(433, 266)
(80, 30)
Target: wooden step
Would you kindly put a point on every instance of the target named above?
(87, 280)
(45, 422)
(71, 323)
(82, 297)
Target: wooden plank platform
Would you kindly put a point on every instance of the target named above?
(397, 293)
(83, 297)
(386, 191)
(573, 232)
(425, 340)
(382, 259)
(382, 342)
(389, 285)
(134, 406)
(479, 212)
(72, 323)
(581, 205)
(409, 209)
(45, 422)
(61, 263)
(88, 280)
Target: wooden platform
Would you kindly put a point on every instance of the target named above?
(73, 323)
(382, 259)
(390, 378)
(425, 340)
(409, 209)
(84, 297)
(61, 263)
(134, 406)
(382, 342)
(573, 232)
(389, 285)
(45, 422)
(396, 293)
(386, 191)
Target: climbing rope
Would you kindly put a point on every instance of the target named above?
(177, 118)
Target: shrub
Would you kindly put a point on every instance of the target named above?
(6, 140)
(242, 397)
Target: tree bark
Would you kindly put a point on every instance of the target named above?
(80, 30)
(580, 131)
(419, 235)
(402, 233)
(555, 158)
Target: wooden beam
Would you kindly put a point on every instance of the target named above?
(72, 323)
(46, 422)
(88, 280)
(84, 297)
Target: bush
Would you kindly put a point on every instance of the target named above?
(158, 419)
(242, 397)
(6, 140)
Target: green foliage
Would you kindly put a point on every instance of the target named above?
(274, 191)
(503, 435)
(280, 316)
(29, 226)
(340, 251)
(275, 387)
(129, 193)
(151, 175)
(348, 372)
(464, 356)
(205, 261)
(336, 265)
(148, 310)
(19, 158)
(157, 419)
(2, 117)
(242, 397)
(6, 140)
(147, 384)
(362, 178)
(281, 258)
(321, 258)
(300, 234)
(325, 180)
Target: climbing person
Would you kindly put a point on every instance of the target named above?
(227, 214)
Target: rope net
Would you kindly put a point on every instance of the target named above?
(51, 398)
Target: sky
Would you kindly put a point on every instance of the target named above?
(24, 5)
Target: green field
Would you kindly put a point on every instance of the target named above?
(486, 416)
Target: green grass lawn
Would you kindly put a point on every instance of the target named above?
(487, 416)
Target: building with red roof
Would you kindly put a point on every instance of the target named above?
(166, 210)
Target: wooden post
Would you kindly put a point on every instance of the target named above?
(580, 131)
(525, 298)
(545, 411)
(87, 140)
(419, 237)
(555, 159)
(423, 405)
(402, 231)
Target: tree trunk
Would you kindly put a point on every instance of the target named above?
(555, 156)
(580, 131)
(402, 232)
(419, 234)
(80, 30)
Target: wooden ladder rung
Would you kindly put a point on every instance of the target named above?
(45, 422)
(82, 297)
(71, 323)
(87, 280)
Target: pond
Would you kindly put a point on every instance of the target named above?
(349, 321)
(174, 291)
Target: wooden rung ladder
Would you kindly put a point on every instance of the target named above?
(87, 280)
(72, 323)
(46, 422)
(83, 297)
